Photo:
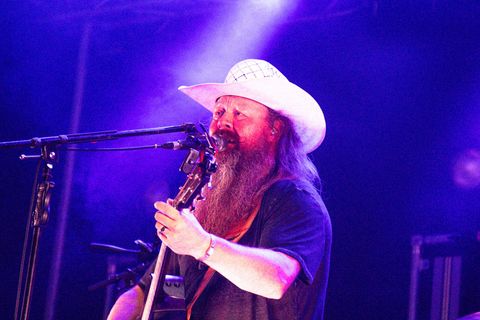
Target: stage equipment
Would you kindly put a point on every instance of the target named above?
(441, 277)
(118, 282)
(39, 209)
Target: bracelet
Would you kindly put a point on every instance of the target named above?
(211, 248)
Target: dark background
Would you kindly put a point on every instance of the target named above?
(397, 80)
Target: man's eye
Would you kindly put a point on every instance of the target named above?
(238, 114)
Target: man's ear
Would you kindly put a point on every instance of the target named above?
(277, 130)
(278, 125)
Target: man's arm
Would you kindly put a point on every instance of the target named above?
(128, 306)
(260, 271)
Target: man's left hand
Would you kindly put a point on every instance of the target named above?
(180, 231)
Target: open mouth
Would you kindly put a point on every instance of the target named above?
(226, 139)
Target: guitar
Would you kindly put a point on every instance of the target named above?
(199, 165)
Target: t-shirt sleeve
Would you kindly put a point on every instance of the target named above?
(146, 279)
(296, 223)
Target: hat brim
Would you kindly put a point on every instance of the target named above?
(280, 95)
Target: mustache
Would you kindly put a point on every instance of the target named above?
(228, 136)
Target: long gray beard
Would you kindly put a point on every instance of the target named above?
(237, 186)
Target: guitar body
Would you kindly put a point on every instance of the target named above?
(170, 308)
(172, 301)
(171, 304)
(167, 313)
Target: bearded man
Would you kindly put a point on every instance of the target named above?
(262, 234)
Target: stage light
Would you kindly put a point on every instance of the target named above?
(270, 4)
(466, 170)
(238, 31)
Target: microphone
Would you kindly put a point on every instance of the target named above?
(186, 144)
(200, 142)
(219, 142)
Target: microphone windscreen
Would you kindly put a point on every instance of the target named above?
(220, 142)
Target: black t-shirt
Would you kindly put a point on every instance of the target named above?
(292, 221)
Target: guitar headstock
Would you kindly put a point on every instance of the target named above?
(198, 165)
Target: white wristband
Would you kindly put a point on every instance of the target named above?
(211, 248)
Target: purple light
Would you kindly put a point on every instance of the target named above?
(239, 31)
(466, 171)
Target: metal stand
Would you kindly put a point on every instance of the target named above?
(39, 219)
(38, 216)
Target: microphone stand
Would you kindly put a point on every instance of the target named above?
(96, 136)
(145, 255)
(42, 193)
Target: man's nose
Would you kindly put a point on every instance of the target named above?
(225, 121)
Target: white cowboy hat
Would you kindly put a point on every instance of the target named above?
(260, 81)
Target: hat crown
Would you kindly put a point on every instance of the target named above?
(253, 69)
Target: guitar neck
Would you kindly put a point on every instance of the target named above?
(159, 265)
(196, 179)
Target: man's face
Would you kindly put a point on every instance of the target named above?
(243, 167)
(242, 122)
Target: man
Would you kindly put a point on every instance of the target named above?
(262, 230)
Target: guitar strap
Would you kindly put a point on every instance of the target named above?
(235, 235)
